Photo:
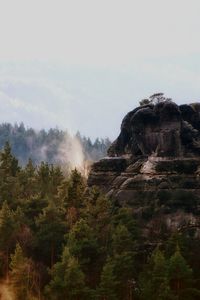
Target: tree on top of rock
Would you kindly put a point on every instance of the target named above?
(158, 98)
(154, 99)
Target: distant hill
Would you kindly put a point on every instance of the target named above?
(54, 146)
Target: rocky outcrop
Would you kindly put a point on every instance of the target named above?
(164, 129)
(154, 164)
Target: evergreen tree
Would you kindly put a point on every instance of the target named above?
(154, 282)
(68, 280)
(123, 259)
(32, 208)
(8, 229)
(97, 211)
(23, 233)
(180, 277)
(49, 178)
(76, 188)
(51, 227)
(108, 284)
(28, 182)
(9, 169)
(21, 274)
(9, 164)
(82, 243)
(175, 239)
(56, 179)
(43, 179)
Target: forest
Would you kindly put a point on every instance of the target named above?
(60, 239)
(54, 146)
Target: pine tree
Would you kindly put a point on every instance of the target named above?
(175, 239)
(97, 211)
(122, 240)
(32, 208)
(23, 233)
(28, 183)
(123, 249)
(9, 164)
(108, 283)
(21, 274)
(68, 280)
(9, 169)
(180, 277)
(51, 227)
(154, 284)
(76, 190)
(83, 244)
(43, 179)
(8, 229)
(56, 179)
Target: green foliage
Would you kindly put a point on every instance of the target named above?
(168, 278)
(68, 281)
(7, 225)
(180, 274)
(123, 250)
(8, 234)
(21, 274)
(76, 187)
(171, 245)
(48, 178)
(122, 240)
(97, 211)
(154, 280)
(82, 243)
(9, 164)
(108, 284)
(28, 182)
(63, 240)
(51, 227)
(9, 170)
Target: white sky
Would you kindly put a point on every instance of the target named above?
(98, 32)
(84, 64)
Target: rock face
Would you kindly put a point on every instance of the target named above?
(165, 129)
(154, 165)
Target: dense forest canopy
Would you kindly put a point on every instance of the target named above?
(62, 240)
(53, 146)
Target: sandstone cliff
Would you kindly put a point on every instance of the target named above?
(154, 166)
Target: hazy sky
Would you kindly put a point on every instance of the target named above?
(84, 64)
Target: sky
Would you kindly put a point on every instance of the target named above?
(82, 65)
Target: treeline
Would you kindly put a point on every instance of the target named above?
(61, 240)
(53, 146)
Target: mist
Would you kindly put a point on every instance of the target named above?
(53, 146)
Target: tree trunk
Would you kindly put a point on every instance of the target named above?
(52, 255)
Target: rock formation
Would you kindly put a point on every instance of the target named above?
(154, 164)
